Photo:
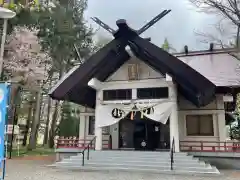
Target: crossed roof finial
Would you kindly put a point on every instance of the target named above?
(123, 22)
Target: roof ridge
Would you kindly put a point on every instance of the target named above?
(206, 52)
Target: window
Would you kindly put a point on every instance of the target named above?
(119, 94)
(199, 125)
(152, 93)
(91, 127)
(106, 130)
(230, 106)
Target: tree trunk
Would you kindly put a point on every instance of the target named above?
(46, 133)
(29, 119)
(35, 123)
(53, 125)
(15, 92)
(52, 132)
(15, 122)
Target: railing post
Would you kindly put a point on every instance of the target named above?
(88, 151)
(67, 142)
(94, 143)
(214, 149)
(234, 147)
(190, 148)
(172, 151)
(77, 142)
(83, 158)
(225, 146)
(201, 146)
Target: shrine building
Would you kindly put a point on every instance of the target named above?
(133, 104)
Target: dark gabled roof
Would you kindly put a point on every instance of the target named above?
(200, 93)
(74, 86)
(194, 87)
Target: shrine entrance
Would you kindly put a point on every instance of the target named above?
(142, 133)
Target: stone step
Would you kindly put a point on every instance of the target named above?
(146, 166)
(136, 156)
(157, 162)
(96, 154)
(211, 172)
(138, 160)
(180, 163)
(143, 158)
(133, 153)
(160, 165)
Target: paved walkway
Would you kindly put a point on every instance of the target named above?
(37, 170)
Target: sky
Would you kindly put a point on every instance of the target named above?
(179, 26)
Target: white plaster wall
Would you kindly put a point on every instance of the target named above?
(84, 116)
(83, 130)
(216, 108)
(114, 131)
(185, 108)
(148, 77)
(135, 84)
(119, 80)
(145, 72)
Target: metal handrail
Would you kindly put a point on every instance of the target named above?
(87, 148)
(172, 151)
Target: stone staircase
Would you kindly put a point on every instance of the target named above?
(142, 161)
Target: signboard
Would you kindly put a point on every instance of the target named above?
(4, 92)
(9, 129)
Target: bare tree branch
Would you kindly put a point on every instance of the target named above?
(230, 10)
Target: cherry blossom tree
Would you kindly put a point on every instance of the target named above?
(26, 67)
(24, 62)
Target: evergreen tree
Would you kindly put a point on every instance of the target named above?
(235, 132)
(69, 124)
(166, 45)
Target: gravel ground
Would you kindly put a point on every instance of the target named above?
(38, 170)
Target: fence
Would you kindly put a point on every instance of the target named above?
(74, 142)
(210, 146)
